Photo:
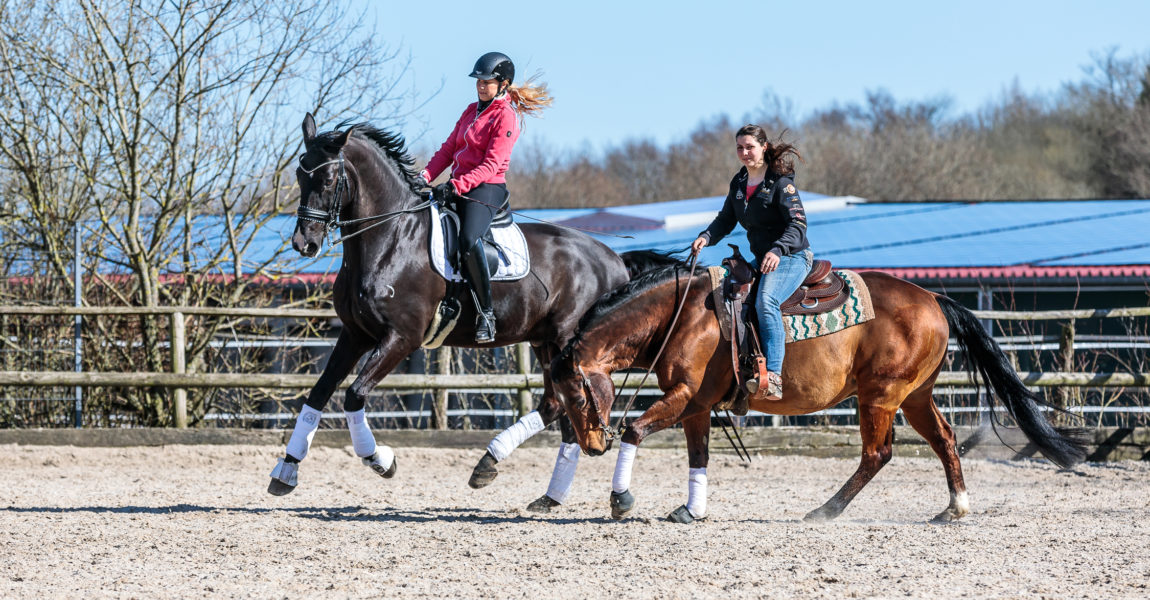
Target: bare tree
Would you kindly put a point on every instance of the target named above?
(169, 130)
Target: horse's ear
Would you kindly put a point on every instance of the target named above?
(341, 139)
(308, 128)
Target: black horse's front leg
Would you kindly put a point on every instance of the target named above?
(343, 357)
(391, 349)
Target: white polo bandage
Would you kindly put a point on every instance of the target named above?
(564, 474)
(305, 425)
(509, 439)
(361, 439)
(697, 493)
(621, 482)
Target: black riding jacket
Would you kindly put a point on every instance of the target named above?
(773, 216)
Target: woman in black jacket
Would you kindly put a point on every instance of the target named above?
(763, 199)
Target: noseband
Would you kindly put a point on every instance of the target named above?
(329, 219)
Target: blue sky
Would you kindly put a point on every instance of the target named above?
(654, 70)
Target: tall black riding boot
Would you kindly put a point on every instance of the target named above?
(480, 280)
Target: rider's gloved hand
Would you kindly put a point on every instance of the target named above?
(423, 176)
(445, 191)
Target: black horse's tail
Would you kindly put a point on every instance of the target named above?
(1064, 447)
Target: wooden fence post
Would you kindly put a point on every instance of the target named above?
(178, 343)
(1065, 396)
(524, 401)
(439, 403)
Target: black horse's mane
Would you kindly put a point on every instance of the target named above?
(390, 144)
(648, 270)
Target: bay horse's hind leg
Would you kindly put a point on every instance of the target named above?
(876, 424)
(342, 360)
(922, 414)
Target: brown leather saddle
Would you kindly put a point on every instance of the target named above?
(822, 290)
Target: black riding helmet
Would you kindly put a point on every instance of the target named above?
(494, 65)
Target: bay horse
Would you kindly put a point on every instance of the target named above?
(890, 363)
(386, 293)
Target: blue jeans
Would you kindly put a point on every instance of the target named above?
(774, 288)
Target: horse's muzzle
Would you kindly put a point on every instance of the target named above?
(303, 245)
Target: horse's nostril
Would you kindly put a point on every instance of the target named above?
(311, 248)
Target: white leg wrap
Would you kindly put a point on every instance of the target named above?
(361, 439)
(621, 482)
(305, 425)
(697, 493)
(564, 474)
(509, 439)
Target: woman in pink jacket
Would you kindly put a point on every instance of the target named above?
(478, 152)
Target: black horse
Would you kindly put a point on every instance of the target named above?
(386, 293)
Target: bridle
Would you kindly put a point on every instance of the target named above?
(597, 424)
(330, 219)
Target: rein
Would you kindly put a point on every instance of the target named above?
(330, 219)
(618, 430)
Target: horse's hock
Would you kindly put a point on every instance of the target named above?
(1106, 444)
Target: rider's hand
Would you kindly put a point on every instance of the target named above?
(770, 263)
(423, 177)
(699, 243)
(445, 191)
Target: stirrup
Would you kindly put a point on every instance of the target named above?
(485, 327)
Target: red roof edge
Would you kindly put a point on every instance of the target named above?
(1016, 271)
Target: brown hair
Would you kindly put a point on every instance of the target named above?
(779, 156)
(529, 99)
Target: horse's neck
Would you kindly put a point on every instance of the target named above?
(382, 190)
(642, 320)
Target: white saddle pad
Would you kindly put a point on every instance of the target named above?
(514, 259)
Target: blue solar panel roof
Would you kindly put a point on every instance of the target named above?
(863, 235)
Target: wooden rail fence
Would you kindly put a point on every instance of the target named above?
(179, 380)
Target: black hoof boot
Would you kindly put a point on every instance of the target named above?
(682, 515)
(621, 504)
(543, 505)
(484, 472)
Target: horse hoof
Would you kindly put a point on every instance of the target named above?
(621, 504)
(682, 515)
(376, 465)
(279, 488)
(819, 515)
(285, 477)
(543, 505)
(947, 516)
(484, 472)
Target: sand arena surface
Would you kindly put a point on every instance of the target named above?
(195, 521)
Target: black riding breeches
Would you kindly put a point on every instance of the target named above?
(476, 214)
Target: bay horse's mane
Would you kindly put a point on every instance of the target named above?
(391, 145)
(648, 270)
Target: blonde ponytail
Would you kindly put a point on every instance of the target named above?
(529, 98)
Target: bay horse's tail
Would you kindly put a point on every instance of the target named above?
(1063, 446)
